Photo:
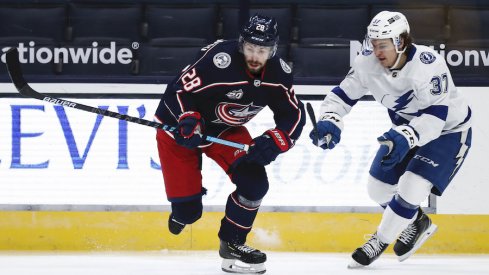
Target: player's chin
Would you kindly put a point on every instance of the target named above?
(255, 68)
(384, 62)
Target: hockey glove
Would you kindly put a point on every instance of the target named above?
(329, 129)
(397, 141)
(265, 148)
(189, 130)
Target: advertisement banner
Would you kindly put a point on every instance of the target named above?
(56, 155)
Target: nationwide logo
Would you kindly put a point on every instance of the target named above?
(463, 57)
(94, 55)
(235, 114)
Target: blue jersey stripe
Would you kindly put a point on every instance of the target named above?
(341, 94)
(440, 111)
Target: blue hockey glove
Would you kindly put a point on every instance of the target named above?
(265, 148)
(398, 142)
(189, 130)
(329, 129)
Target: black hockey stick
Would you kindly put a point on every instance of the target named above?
(15, 72)
(324, 140)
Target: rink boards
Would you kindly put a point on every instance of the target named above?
(273, 231)
(58, 164)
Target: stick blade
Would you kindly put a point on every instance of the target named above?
(14, 70)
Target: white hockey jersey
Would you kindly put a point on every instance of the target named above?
(421, 94)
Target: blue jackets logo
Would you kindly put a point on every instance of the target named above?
(235, 114)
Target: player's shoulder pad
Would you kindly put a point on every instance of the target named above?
(426, 55)
(279, 66)
(285, 67)
(365, 62)
(219, 54)
(278, 70)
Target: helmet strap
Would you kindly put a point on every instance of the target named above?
(399, 54)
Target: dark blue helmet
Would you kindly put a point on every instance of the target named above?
(260, 30)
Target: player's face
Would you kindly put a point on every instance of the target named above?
(255, 56)
(385, 51)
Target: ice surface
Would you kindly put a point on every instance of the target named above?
(208, 262)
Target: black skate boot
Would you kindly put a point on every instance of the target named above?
(368, 252)
(175, 226)
(415, 235)
(252, 260)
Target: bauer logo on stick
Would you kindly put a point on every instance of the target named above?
(59, 102)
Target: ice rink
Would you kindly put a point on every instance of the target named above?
(208, 262)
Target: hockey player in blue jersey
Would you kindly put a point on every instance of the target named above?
(229, 83)
(429, 139)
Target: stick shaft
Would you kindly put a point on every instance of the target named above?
(15, 72)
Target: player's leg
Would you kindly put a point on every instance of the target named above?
(404, 213)
(183, 181)
(242, 205)
(379, 191)
(437, 162)
(382, 188)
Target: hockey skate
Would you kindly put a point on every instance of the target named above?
(240, 258)
(175, 226)
(368, 252)
(414, 236)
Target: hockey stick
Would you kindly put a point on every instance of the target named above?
(317, 141)
(15, 72)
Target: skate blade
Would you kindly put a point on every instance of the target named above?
(426, 235)
(237, 266)
(354, 265)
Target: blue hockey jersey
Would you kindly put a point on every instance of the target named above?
(220, 87)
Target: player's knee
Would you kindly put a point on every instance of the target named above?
(187, 212)
(380, 191)
(413, 188)
(251, 181)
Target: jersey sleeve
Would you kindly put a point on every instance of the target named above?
(288, 111)
(342, 98)
(434, 90)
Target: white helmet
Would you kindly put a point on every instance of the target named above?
(388, 24)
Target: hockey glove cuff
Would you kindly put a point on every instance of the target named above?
(397, 141)
(265, 148)
(190, 130)
(329, 129)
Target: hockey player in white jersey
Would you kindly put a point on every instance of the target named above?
(429, 139)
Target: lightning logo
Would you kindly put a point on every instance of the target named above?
(403, 101)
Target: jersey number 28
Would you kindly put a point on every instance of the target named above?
(190, 80)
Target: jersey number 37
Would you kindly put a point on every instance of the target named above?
(440, 84)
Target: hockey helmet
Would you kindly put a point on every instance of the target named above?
(260, 30)
(388, 24)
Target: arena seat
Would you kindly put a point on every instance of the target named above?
(331, 24)
(104, 23)
(469, 26)
(328, 62)
(163, 60)
(185, 25)
(43, 24)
